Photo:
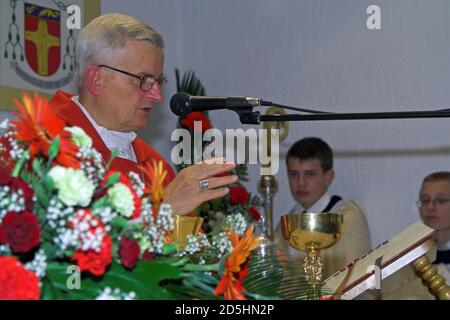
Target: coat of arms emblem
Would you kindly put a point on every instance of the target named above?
(42, 34)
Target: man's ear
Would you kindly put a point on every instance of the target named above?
(329, 177)
(93, 81)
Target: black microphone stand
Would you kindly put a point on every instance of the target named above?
(268, 183)
(248, 116)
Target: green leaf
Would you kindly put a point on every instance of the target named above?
(114, 153)
(41, 195)
(120, 222)
(215, 204)
(189, 83)
(204, 207)
(26, 177)
(48, 183)
(114, 178)
(144, 280)
(221, 268)
(56, 284)
(37, 167)
(201, 267)
(19, 165)
(169, 249)
(102, 202)
(53, 150)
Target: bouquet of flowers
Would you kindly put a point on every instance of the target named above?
(71, 228)
(239, 200)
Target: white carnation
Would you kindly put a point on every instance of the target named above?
(80, 138)
(122, 199)
(73, 186)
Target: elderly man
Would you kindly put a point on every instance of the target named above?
(120, 77)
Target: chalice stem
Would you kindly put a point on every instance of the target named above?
(313, 265)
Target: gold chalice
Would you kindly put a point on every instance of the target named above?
(184, 226)
(310, 233)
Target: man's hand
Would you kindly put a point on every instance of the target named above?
(184, 193)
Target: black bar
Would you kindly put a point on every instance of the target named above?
(357, 116)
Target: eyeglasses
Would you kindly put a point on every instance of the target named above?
(436, 202)
(146, 81)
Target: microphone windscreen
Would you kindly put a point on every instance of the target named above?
(179, 104)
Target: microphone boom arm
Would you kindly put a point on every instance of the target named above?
(249, 117)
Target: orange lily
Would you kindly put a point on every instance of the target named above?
(157, 174)
(38, 126)
(236, 265)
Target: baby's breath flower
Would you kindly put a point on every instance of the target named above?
(137, 183)
(39, 264)
(116, 294)
(5, 250)
(237, 223)
(222, 244)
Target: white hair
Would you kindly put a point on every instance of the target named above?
(105, 36)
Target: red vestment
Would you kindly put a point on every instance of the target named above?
(74, 116)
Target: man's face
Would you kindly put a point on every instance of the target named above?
(435, 213)
(307, 180)
(122, 105)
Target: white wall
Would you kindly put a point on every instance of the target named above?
(319, 54)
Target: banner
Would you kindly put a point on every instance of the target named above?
(37, 43)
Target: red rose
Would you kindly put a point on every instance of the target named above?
(5, 176)
(20, 230)
(128, 252)
(16, 282)
(147, 256)
(93, 261)
(238, 195)
(254, 213)
(2, 236)
(189, 121)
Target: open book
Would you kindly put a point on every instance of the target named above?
(392, 258)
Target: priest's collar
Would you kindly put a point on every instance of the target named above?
(122, 141)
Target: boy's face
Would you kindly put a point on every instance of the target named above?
(435, 209)
(307, 180)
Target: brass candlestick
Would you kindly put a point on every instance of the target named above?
(268, 185)
(310, 233)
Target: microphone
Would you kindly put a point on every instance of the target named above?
(182, 103)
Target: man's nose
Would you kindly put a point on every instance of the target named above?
(155, 94)
(431, 205)
(301, 180)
